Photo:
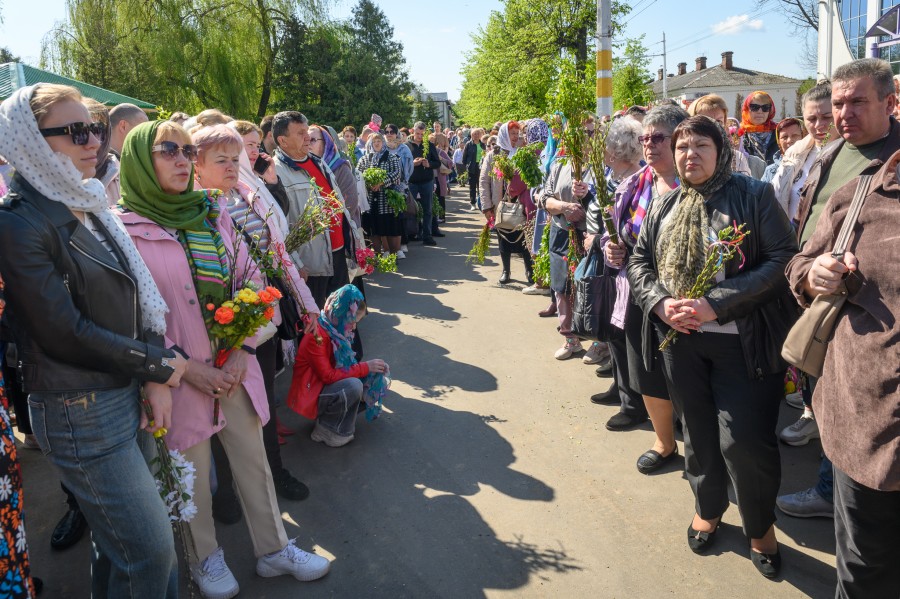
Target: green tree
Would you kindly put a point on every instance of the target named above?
(427, 110)
(630, 75)
(7, 56)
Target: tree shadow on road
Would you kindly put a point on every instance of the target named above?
(393, 507)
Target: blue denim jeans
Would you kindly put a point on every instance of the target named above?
(424, 194)
(338, 406)
(825, 486)
(93, 440)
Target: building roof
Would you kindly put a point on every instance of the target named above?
(14, 75)
(439, 96)
(719, 76)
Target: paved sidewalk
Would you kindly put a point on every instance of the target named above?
(490, 474)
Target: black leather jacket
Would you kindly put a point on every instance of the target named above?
(756, 296)
(72, 308)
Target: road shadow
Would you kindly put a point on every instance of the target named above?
(392, 508)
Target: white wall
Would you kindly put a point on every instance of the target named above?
(840, 51)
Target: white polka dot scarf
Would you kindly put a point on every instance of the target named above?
(53, 175)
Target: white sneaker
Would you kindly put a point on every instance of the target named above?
(401, 255)
(535, 290)
(596, 353)
(795, 400)
(214, 578)
(404, 248)
(572, 346)
(320, 434)
(801, 432)
(805, 504)
(294, 561)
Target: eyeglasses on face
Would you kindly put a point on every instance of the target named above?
(80, 132)
(760, 107)
(170, 149)
(313, 140)
(654, 139)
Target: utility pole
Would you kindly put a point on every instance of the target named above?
(604, 58)
(665, 70)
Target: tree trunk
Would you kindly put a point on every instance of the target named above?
(581, 52)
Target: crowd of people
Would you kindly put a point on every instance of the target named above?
(186, 222)
(677, 179)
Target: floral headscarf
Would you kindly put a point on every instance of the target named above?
(338, 318)
(536, 130)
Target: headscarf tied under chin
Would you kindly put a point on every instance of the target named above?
(55, 177)
(337, 318)
(330, 156)
(681, 249)
(536, 130)
(747, 125)
(504, 141)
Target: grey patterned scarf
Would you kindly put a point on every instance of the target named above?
(681, 249)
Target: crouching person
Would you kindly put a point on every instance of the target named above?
(329, 385)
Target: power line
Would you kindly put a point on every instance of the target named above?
(652, 2)
(713, 34)
(752, 15)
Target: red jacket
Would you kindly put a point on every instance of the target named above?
(315, 368)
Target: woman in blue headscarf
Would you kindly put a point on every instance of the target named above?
(329, 384)
(321, 143)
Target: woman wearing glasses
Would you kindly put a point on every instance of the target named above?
(93, 340)
(186, 237)
(634, 198)
(758, 127)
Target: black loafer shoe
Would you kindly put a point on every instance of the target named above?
(68, 530)
(429, 241)
(225, 507)
(623, 422)
(700, 542)
(768, 564)
(289, 487)
(607, 398)
(605, 370)
(504, 278)
(438, 234)
(651, 461)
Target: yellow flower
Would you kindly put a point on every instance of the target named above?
(248, 296)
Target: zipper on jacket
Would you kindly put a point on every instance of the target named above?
(134, 328)
(66, 283)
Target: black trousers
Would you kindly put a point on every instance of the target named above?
(473, 186)
(632, 402)
(729, 427)
(867, 530)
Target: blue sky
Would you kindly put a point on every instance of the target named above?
(435, 35)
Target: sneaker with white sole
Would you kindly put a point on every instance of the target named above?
(214, 578)
(571, 346)
(801, 432)
(795, 400)
(292, 560)
(535, 290)
(805, 504)
(401, 255)
(596, 353)
(404, 248)
(320, 434)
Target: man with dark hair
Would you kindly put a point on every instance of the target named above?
(421, 182)
(122, 119)
(322, 260)
(268, 141)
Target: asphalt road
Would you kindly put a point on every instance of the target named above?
(489, 474)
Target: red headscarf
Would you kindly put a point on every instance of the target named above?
(747, 125)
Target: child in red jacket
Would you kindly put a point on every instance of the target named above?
(328, 383)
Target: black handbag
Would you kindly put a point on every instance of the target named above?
(595, 298)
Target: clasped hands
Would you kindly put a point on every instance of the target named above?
(684, 315)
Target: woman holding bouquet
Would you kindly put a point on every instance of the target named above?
(724, 370)
(384, 224)
(188, 241)
(329, 383)
(220, 156)
(492, 190)
(84, 357)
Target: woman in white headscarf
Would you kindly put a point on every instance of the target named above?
(91, 349)
(492, 193)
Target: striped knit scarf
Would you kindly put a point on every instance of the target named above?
(208, 259)
(640, 202)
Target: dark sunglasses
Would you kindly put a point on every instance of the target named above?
(760, 107)
(654, 139)
(170, 149)
(80, 132)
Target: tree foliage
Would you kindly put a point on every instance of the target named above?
(7, 56)
(630, 75)
(426, 110)
(516, 57)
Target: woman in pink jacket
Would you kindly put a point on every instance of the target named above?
(186, 239)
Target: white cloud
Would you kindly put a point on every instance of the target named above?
(737, 24)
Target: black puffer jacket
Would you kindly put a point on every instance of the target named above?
(72, 308)
(756, 296)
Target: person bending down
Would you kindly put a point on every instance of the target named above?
(329, 384)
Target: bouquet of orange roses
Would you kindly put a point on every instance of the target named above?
(237, 319)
